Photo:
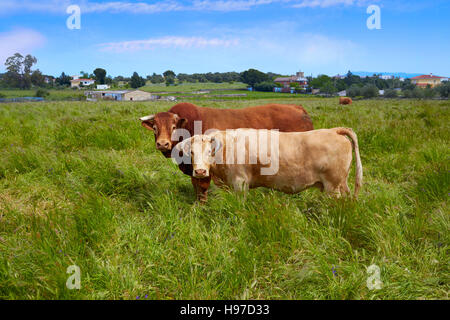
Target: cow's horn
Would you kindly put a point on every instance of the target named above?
(146, 118)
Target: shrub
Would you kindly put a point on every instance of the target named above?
(354, 91)
(369, 91)
(390, 93)
(42, 93)
(266, 86)
(417, 93)
(429, 93)
(407, 93)
(444, 89)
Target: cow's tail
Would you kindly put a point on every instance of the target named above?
(359, 171)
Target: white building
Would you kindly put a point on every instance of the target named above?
(76, 81)
(103, 86)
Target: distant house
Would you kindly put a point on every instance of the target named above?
(342, 93)
(286, 82)
(103, 86)
(386, 77)
(76, 81)
(339, 76)
(119, 95)
(425, 80)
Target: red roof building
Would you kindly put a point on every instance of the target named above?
(428, 80)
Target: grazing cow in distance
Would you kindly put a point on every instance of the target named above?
(285, 118)
(297, 160)
(345, 100)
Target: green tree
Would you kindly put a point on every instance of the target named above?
(37, 78)
(137, 81)
(170, 80)
(253, 76)
(100, 75)
(266, 86)
(169, 73)
(319, 81)
(328, 88)
(63, 80)
(84, 75)
(156, 78)
(18, 73)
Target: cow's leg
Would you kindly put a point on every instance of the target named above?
(240, 185)
(344, 188)
(201, 188)
(332, 189)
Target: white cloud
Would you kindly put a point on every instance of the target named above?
(23, 41)
(167, 42)
(59, 6)
(329, 3)
(131, 7)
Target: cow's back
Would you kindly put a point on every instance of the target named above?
(286, 118)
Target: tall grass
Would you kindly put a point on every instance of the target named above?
(81, 183)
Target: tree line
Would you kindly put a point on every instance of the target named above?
(20, 75)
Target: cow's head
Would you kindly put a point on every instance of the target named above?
(202, 149)
(163, 124)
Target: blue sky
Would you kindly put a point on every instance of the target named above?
(283, 36)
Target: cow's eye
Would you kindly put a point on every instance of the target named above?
(173, 127)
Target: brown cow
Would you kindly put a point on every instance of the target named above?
(286, 118)
(345, 100)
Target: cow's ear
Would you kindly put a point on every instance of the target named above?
(186, 147)
(182, 122)
(148, 122)
(215, 146)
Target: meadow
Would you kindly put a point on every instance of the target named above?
(81, 183)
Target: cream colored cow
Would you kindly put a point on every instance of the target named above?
(285, 161)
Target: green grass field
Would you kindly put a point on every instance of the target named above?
(54, 94)
(189, 86)
(81, 183)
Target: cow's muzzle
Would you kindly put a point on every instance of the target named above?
(200, 173)
(163, 145)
